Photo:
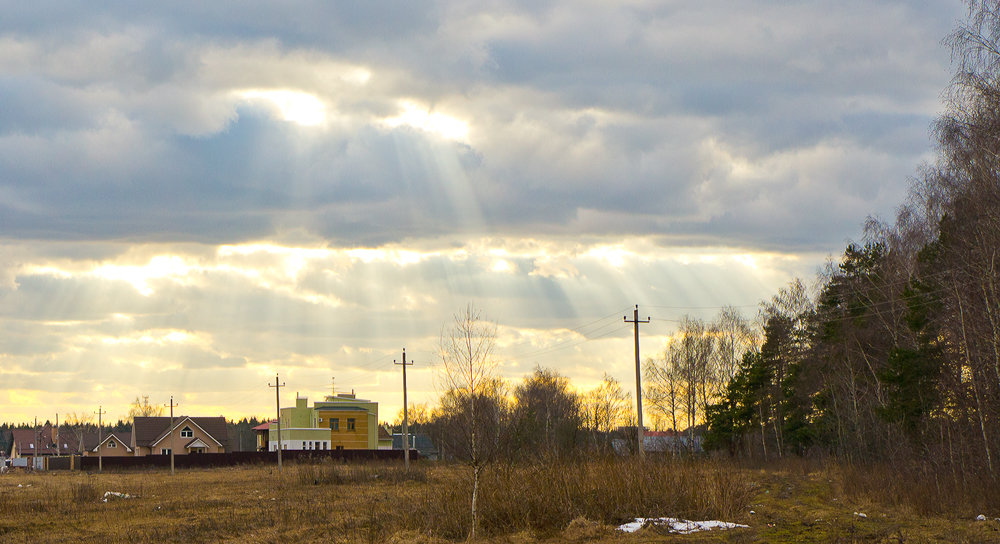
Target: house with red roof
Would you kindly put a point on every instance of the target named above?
(49, 440)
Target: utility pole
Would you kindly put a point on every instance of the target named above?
(171, 435)
(34, 449)
(100, 438)
(406, 418)
(638, 376)
(277, 403)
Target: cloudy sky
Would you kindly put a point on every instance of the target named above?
(197, 195)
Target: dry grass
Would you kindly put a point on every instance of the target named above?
(559, 503)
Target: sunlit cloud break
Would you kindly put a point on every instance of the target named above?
(295, 106)
(425, 119)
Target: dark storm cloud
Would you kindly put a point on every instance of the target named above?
(124, 122)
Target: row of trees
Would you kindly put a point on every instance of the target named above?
(897, 357)
(697, 363)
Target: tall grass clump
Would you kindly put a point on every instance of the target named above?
(84, 492)
(921, 488)
(546, 496)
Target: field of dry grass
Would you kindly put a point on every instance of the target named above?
(571, 502)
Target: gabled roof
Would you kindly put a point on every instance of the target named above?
(196, 443)
(264, 426)
(125, 439)
(151, 430)
(25, 440)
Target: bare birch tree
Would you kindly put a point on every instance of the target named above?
(469, 374)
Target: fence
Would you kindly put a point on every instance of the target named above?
(47, 462)
(205, 460)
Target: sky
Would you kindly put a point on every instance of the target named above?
(196, 197)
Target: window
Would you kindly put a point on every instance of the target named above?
(164, 451)
(335, 424)
(350, 424)
(112, 444)
(186, 432)
(339, 448)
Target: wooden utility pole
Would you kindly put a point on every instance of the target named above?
(638, 375)
(100, 438)
(277, 403)
(171, 433)
(406, 418)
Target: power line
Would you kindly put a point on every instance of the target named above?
(589, 335)
(566, 344)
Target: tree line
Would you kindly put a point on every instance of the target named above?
(896, 357)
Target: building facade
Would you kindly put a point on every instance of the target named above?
(300, 429)
(340, 421)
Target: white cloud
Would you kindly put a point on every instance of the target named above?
(186, 312)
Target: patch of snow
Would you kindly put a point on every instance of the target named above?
(861, 514)
(675, 525)
(980, 517)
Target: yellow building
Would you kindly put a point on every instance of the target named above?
(353, 422)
